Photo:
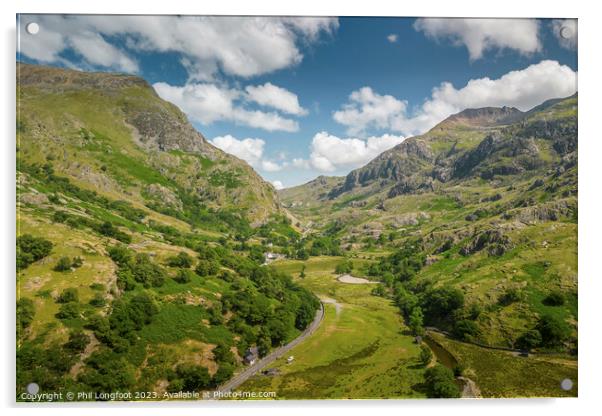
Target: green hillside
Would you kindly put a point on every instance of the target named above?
(139, 244)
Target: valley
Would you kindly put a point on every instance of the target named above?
(150, 260)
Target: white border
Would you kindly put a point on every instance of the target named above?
(590, 165)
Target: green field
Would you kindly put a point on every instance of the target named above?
(363, 352)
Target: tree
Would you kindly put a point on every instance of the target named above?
(194, 377)
(426, 355)
(223, 373)
(416, 321)
(31, 249)
(78, 340)
(182, 260)
(440, 382)
(68, 295)
(25, 313)
(344, 267)
(553, 330)
(206, 268)
(440, 303)
(184, 276)
(466, 330)
(529, 339)
(68, 311)
(302, 274)
(63, 264)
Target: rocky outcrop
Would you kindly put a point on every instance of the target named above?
(495, 241)
(163, 196)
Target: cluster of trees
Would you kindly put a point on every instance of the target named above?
(136, 269)
(549, 332)
(31, 249)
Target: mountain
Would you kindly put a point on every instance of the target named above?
(113, 134)
(485, 203)
(140, 246)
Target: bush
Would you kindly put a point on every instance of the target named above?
(554, 298)
(183, 260)
(25, 313)
(426, 355)
(68, 295)
(98, 300)
(510, 296)
(206, 268)
(553, 330)
(440, 382)
(529, 340)
(78, 340)
(31, 249)
(344, 267)
(466, 330)
(184, 276)
(68, 311)
(63, 264)
(194, 377)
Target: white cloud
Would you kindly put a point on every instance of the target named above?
(329, 153)
(566, 32)
(241, 46)
(523, 89)
(392, 38)
(278, 185)
(480, 35)
(251, 150)
(270, 95)
(368, 109)
(207, 103)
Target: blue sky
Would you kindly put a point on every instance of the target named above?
(302, 97)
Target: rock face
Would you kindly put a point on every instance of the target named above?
(164, 196)
(495, 241)
(475, 143)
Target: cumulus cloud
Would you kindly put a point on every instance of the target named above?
(278, 185)
(392, 38)
(565, 31)
(240, 46)
(270, 95)
(369, 109)
(206, 103)
(251, 150)
(480, 35)
(329, 153)
(523, 89)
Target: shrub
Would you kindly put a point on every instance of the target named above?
(554, 298)
(78, 340)
(206, 268)
(63, 264)
(31, 249)
(68, 295)
(440, 382)
(25, 313)
(510, 296)
(68, 311)
(466, 330)
(344, 267)
(184, 276)
(426, 355)
(98, 300)
(529, 339)
(553, 330)
(183, 260)
(194, 377)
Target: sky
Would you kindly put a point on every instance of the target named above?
(301, 97)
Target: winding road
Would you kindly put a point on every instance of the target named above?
(250, 371)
